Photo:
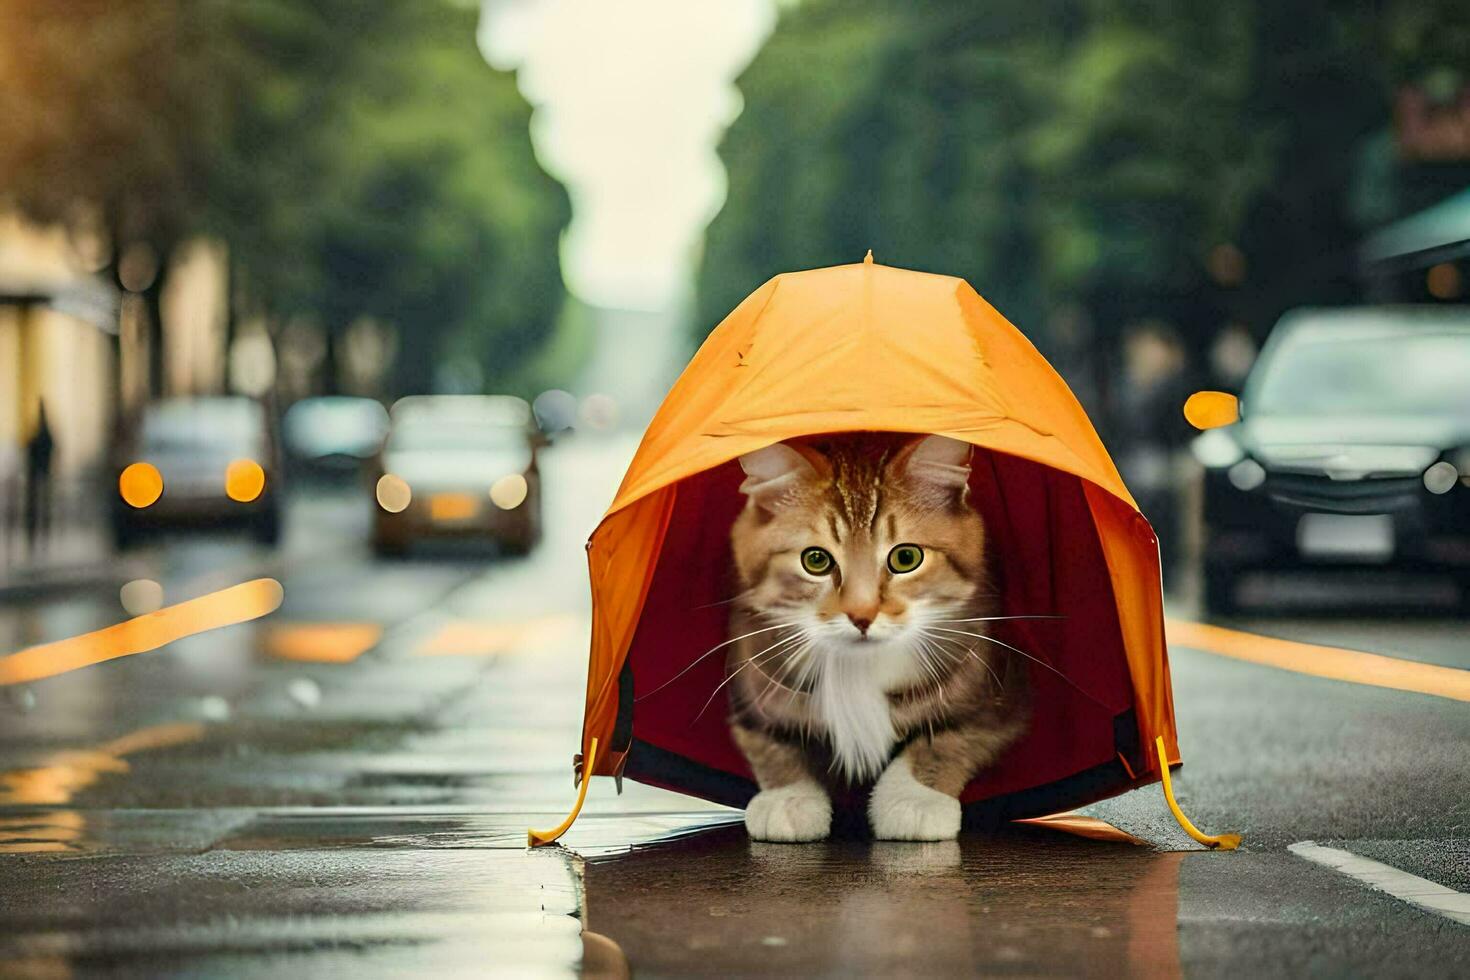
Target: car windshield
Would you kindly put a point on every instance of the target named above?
(223, 425)
(1392, 373)
(425, 436)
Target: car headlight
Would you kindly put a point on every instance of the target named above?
(1441, 477)
(393, 493)
(244, 480)
(1461, 460)
(140, 485)
(509, 492)
(1216, 449)
(1247, 475)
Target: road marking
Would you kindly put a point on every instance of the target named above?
(1425, 894)
(1336, 663)
(473, 638)
(324, 643)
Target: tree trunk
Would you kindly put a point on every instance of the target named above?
(331, 367)
(153, 306)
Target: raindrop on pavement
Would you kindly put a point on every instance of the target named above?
(141, 596)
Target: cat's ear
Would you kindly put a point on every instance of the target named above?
(937, 464)
(772, 472)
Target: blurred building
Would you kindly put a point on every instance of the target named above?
(57, 345)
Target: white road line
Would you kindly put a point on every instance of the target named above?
(1409, 888)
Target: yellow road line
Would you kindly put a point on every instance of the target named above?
(326, 643)
(1339, 664)
(237, 604)
(472, 638)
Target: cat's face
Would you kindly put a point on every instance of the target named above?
(862, 546)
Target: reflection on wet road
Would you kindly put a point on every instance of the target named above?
(344, 788)
(719, 905)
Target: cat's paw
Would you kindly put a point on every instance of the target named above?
(799, 812)
(902, 808)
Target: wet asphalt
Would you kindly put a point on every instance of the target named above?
(225, 807)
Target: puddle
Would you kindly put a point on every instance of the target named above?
(1028, 902)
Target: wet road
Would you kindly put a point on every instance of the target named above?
(343, 788)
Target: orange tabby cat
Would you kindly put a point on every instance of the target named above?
(862, 568)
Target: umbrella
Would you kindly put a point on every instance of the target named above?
(872, 348)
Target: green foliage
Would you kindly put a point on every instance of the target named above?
(358, 159)
(1070, 154)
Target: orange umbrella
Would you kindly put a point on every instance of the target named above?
(867, 347)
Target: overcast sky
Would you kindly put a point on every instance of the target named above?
(630, 100)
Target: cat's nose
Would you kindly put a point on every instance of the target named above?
(861, 622)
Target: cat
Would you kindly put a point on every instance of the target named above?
(863, 575)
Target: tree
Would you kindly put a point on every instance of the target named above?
(1099, 155)
(305, 136)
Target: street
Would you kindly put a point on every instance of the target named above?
(344, 788)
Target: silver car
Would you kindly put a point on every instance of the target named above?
(459, 467)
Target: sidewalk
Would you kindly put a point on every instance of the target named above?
(75, 554)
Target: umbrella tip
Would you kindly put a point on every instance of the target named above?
(868, 259)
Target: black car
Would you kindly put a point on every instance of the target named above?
(1351, 449)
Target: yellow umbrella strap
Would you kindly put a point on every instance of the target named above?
(1221, 842)
(540, 838)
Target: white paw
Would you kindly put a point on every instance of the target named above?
(797, 812)
(902, 808)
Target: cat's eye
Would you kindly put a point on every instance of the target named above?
(905, 558)
(817, 561)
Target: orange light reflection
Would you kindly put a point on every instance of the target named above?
(62, 775)
(227, 607)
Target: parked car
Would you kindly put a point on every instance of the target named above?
(459, 467)
(1351, 449)
(335, 434)
(198, 463)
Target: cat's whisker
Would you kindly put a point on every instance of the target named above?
(1036, 660)
(971, 652)
(725, 602)
(993, 619)
(793, 658)
(926, 650)
(712, 650)
(769, 652)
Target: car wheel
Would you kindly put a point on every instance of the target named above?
(267, 530)
(1219, 584)
(123, 535)
(389, 549)
(1464, 583)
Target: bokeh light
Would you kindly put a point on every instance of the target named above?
(244, 480)
(1441, 477)
(140, 485)
(1226, 265)
(394, 493)
(555, 410)
(1211, 409)
(599, 411)
(509, 492)
(1443, 281)
(141, 596)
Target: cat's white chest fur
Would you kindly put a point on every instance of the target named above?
(851, 699)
